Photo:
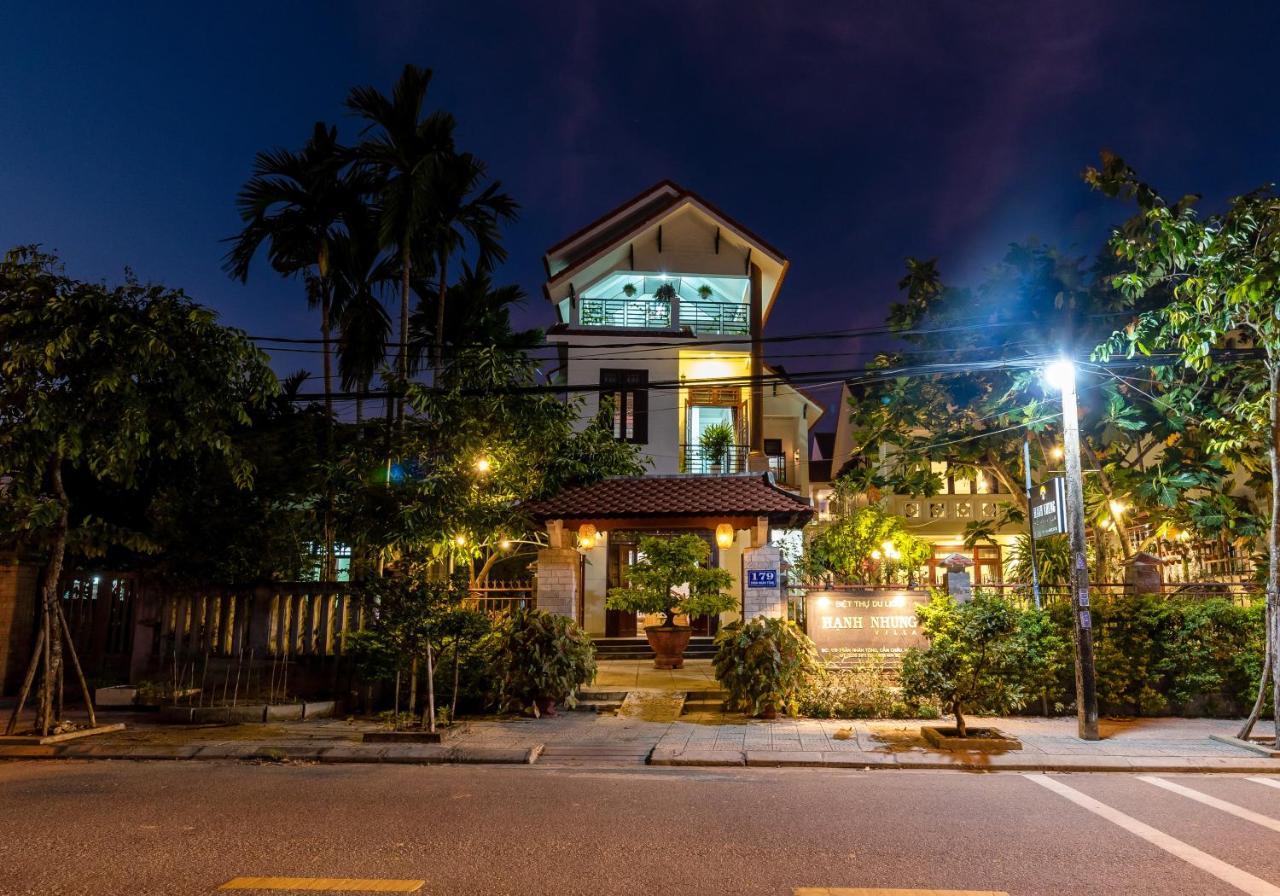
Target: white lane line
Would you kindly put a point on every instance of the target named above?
(1230, 808)
(1270, 782)
(1240, 879)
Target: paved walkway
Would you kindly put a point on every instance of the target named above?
(697, 675)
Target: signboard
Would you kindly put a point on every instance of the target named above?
(762, 578)
(864, 628)
(1049, 508)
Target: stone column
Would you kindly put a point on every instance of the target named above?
(19, 584)
(556, 583)
(767, 597)
(958, 584)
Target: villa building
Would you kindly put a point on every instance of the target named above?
(661, 307)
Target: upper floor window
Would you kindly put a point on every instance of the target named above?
(629, 392)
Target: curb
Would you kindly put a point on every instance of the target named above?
(399, 754)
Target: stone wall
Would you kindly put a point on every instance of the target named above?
(763, 601)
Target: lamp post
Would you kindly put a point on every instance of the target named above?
(1062, 375)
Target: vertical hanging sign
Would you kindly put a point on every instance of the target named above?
(1049, 508)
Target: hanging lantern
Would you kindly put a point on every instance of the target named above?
(724, 535)
(586, 536)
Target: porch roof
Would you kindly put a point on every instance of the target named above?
(679, 500)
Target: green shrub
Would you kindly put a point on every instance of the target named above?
(763, 664)
(538, 656)
(983, 656)
(669, 577)
(867, 692)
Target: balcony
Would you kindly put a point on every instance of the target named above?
(648, 313)
(695, 460)
(953, 509)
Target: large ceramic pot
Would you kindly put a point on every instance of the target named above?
(668, 643)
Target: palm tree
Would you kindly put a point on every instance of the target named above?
(478, 313)
(298, 204)
(403, 149)
(464, 211)
(360, 272)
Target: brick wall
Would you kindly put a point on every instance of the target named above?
(763, 601)
(557, 582)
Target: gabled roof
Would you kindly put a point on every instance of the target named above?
(673, 497)
(630, 219)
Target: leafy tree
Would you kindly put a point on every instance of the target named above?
(1222, 272)
(863, 544)
(669, 577)
(983, 654)
(96, 383)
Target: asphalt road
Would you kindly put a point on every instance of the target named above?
(190, 827)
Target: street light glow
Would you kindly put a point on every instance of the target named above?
(483, 465)
(1060, 374)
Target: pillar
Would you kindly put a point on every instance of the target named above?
(959, 585)
(556, 582)
(763, 591)
(1143, 574)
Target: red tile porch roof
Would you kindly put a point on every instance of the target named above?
(641, 500)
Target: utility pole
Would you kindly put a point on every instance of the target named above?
(1062, 374)
(1031, 526)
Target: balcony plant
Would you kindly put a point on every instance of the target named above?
(704, 292)
(715, 441)
(669, 578)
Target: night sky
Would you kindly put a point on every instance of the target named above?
(849, 137)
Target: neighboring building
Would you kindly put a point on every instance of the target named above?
(662, 305)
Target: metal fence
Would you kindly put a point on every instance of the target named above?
(498, 597)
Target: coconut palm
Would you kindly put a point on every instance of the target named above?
(464, 212)
(298, 203)
(402, 148)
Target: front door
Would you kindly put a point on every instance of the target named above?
(620, 623)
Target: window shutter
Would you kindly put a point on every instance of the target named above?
(640, 413)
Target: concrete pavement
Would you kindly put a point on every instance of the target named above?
(186, 828)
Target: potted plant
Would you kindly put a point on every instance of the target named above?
(665, 293)
(539, 659)
(764, 664)
(669, 578)
(629, 290)
(704, 292)
(715, 441)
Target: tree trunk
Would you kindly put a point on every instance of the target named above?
(430, 711)
(457, 664)
(413, 686)
(962, 730)
(402, 367)
(444, 288)
(1247, 728)
(326, 335)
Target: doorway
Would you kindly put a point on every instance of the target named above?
(623, 552)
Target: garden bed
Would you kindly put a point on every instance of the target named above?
(23, 740)
(247, 712)
(442, 734)
(989, 739)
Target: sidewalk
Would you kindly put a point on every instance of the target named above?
(696, 739)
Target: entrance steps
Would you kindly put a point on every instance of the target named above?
(701, 647)
(649, 703)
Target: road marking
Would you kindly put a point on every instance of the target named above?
(881, 891)
(1240, 879)
(1230, 808)
(325, 884)
(1270, 782)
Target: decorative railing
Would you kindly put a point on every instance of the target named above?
(639, 313)
(719, 318)
(498, 598)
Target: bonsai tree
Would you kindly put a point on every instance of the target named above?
(670, 578)
(715, 441)
(764, 664)
(985, 654)
(539, 659)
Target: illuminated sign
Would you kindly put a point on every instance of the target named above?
(860, 628)
(1049, 508)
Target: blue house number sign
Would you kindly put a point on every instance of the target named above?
(762, 578)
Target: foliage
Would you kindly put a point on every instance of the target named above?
(1052, 557)
(866, 692)
(535, 656)
(983, 655)
(853, 547)
(669, 578)
(763, 663)
(715, 441)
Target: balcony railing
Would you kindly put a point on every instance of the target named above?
(648, 313)
(696, 460)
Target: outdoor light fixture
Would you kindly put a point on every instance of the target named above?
(724, 535)
(1060, 373)
(460, 540)
(1056, 453)
(586, 537)
(483, 465)
(1117, 507)
(824, 602)
(505, 544)
(875, 555)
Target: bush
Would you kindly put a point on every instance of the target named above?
(983, 656)
(764, 664)
(867, 692)
(536, 656)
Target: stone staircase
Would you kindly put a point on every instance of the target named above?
(701, 647)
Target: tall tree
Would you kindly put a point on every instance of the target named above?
(1223, 272)
(95, 383)
(298, 204)
(403, 149)
(464, 211)
(479, 313)
(361, 273)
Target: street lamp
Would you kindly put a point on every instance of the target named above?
(1061, 375)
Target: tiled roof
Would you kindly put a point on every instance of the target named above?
(747, 494)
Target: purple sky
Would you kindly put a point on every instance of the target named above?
(850, 136)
